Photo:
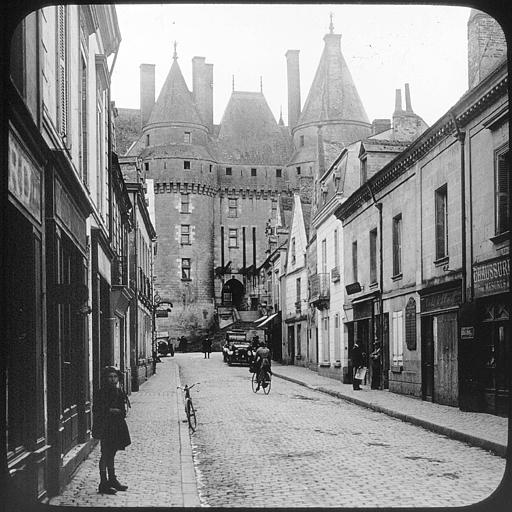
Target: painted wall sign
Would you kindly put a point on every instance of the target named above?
(443, 300)
(491, 277)
(67, 212)
(24, 178)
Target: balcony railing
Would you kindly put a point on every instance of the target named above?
(320, 290)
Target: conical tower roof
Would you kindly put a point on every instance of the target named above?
(333, 95)
(249, 132)
(175, 102)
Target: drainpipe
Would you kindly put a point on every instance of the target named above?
(381, 286)
(461, 136)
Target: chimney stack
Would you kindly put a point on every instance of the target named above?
(398, 101)
(408, 107)
(202, 89)
(147, 92)
(293, 73)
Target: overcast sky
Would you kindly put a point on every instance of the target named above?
(384, 47)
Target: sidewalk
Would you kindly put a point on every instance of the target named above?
(478, 429)
(157, 466)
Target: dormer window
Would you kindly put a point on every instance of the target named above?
(278, 173)
(229, 171)
(186, 164)
(187, 138)
(253, 172)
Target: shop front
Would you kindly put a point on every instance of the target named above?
(69, 397)
(485, 337)
(26, 439)
(439, 343)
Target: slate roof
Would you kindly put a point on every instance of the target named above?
(127, 127)
(178, 151)
(249, 133)
(175, 102)
(333, 95)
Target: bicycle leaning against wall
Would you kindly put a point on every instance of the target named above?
(189, 407)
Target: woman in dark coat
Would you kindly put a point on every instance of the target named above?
(109, 426)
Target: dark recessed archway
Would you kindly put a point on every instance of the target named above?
(232, 293)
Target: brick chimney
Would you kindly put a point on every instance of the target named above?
(202, 89)
(408, 107)
(398, 101)
(147, 92)
(293, 73)
(486, 46)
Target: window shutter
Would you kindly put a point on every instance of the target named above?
(503, 198)
(61, 70)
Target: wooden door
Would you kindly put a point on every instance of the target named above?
(446, 375)
(427, 359)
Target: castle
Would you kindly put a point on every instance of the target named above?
(217, 186)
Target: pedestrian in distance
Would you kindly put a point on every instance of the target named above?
(262, 362)
(209, 340)
(357, 363)
(109, 426)
(207, 344)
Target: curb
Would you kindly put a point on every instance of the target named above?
(188, 475)
(496, 448)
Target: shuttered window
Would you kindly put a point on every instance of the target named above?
(83, 122)
(233, 238)
(441, 219)
(502, 192)
(185, 203)
(397, 245)
(62, 87)
(185, 234)
(373, 256)
(354, 261)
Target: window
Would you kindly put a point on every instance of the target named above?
(298, 170)
(354, 261)
(185, 203)
(324, 256)
(441, 219)
(398, 357)
(185, 269)
(253, 172)
(185, 234)
(301, 140)
(278, 173)
(228, 171)
(211, 167)
(364, 170)
(298, 338)
(233, 238)
(147, 139)
(397, 245)
(373, 255)
(293, 251)
(62, 78)
(297, 287)
(232, 208)
(502, 198)
(327, 348)
(83, 122)
(186, 164)
(186, 137)
(146, 166)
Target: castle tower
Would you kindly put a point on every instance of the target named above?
(333, 103)
(174, 152)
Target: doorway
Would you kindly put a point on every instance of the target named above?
(427, 359)
(291, 343)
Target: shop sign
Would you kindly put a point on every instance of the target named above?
(67, 212)
(24, 178)
(442, 300)
(363, 310)
(467, 333)
(491, 277)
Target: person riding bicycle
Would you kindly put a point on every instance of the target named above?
(262, 363)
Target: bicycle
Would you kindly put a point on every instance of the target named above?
(189, 407)
(266, 382)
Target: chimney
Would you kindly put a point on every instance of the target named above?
(306, 188)
(202, 82)
(293, 73)
(486, 46)
(398, 101)
(147, 92)
(380, 125)
(408, 107)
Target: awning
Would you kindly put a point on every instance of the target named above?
(267, 320)
(366, 297)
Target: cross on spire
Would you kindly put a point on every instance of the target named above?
(175, 55)
(331, 26)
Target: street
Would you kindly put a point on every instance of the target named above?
(297, 447)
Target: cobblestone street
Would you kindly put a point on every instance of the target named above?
(297, 447)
